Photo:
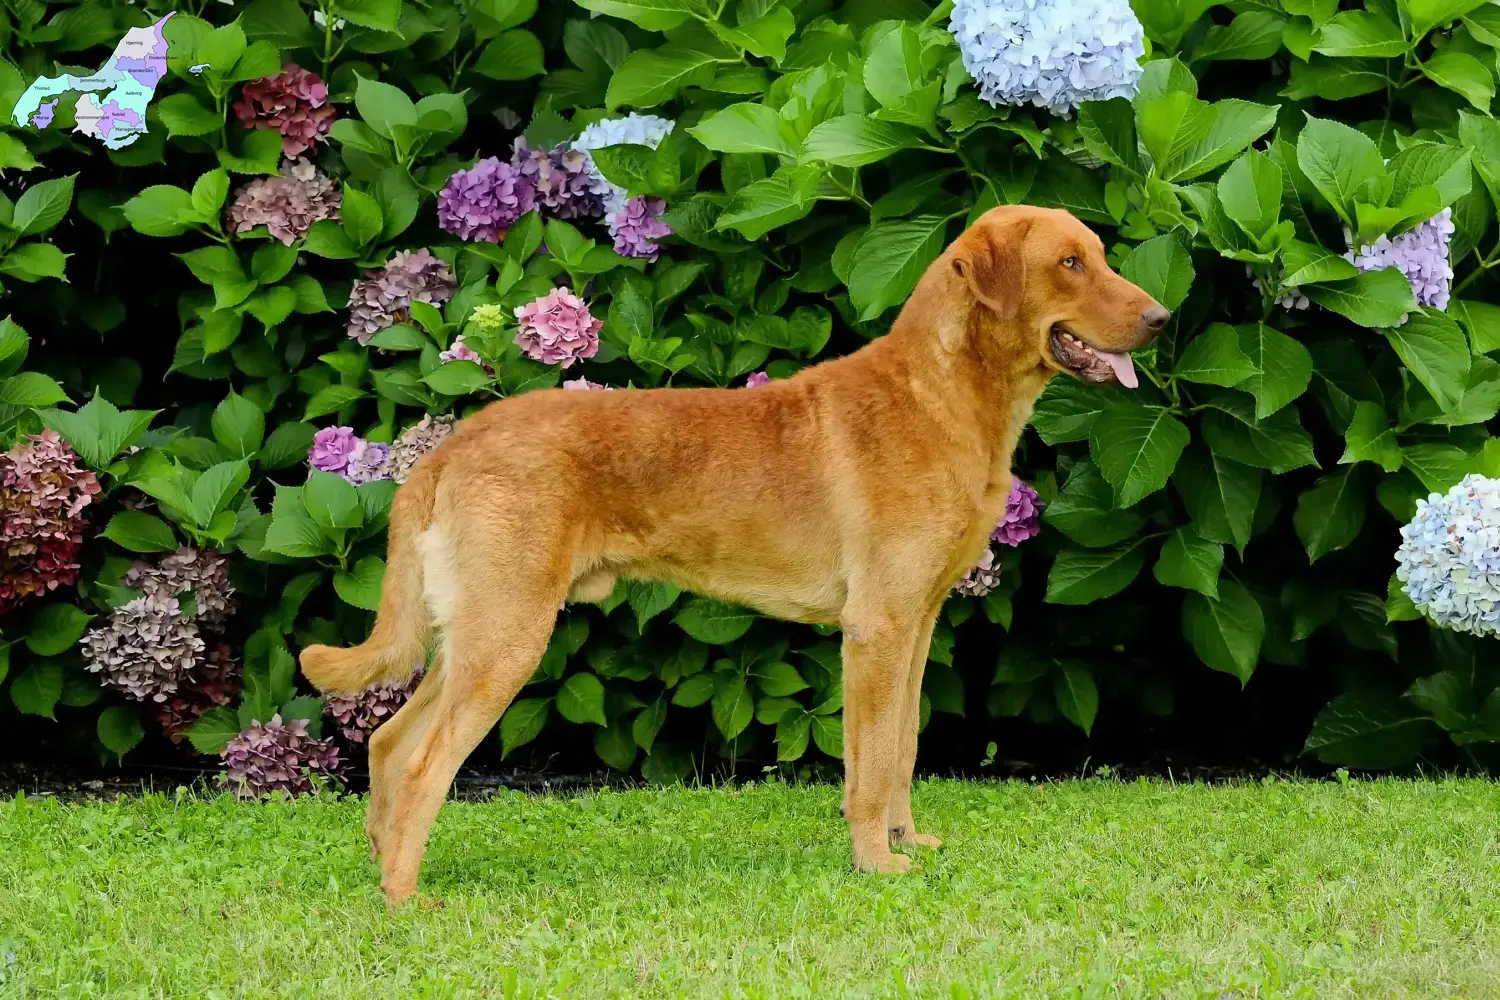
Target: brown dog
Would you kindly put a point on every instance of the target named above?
(856, 493)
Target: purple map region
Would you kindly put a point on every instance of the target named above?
(149, 70)
(43, 116)
(114, 113)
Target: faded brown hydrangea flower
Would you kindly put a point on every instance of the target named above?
(287, 204)
(359, 715)
(215, 683)
(416, 441)
(276, 755)
(147, 649)
(204, 572)
(383, 296)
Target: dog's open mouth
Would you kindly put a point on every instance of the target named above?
(1090, 363)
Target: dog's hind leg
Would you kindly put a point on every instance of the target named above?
(497, 613)
(390, 747)
(903, 827)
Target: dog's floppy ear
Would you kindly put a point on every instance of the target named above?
(989, 259)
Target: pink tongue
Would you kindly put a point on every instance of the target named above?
(1124, 369)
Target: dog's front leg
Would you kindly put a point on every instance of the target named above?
(903, 828)
(877, 660)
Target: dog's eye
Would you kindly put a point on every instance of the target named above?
(1073, 264)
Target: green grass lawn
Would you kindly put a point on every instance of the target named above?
(1073, 889)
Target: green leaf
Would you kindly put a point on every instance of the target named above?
(1082, 576)
(119, 729)
(1162, 268)
(745, 128)
(1278, 442)
(694, 691)
(1136, 448)
(1367, 730)
(328, 239)
(1108, 131)
(653, 15)
(1283, 367)
(161, 210)
(1374, 299)
(1482, 322)
(43, 205)
(732, 707)
(1252, 35)
(1438, 466)
(1068, 409)
(1085, 510)
(458, 378)
(766, 204)
(1433, 348)
(1343, 164)
(1370, 438)
(581, 699)
(1077, 696)
(1305, 263)
(331, 399)
(615, 746)
(1214, 134)
(1330, 514)
(296, 536)
(239, 425)
(1250, 191)
(649, 77)
(35, 692)
(522, 723)
(56, 629)
(1225, 633)
(514, 55)
(383, 107)
(362, 586)
(828, 734)
(1190, 562)
(793, 730)
(97, 430)
(331, 501)
(1355, 33)
(287, 445)
(361, 216)
(649, 723)
(649, 598)
(32, 262)
(138, 531)
(213, 730)
(890, 258)
(1214, 357)
(856, 140)
(183, 114)
(779, 679)
(1463, 74)
(218, 485)
(1428, 14)
(714, 622)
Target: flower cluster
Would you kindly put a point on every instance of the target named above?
(566, 183)
(637, 225)
(460, 351)
(481, 203)
(286, 204)
(43, 492)
(203, 572)
(1023, 516)
(216, 683)
(340, 451)
(558, 329)
(277, 756)
(583, 384)
(1055, 54)
(1420, 253)
(1449, 559)
(757, 379)
(634, 129)
(1290, 299)
(383, 296)
(416, 441)
(148, 649)
(359, 715)
(982, 578)
(294, 102)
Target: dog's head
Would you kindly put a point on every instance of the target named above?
(1043, 272)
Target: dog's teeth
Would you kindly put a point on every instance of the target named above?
(1089, 349)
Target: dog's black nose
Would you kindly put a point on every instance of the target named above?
(1153, 320)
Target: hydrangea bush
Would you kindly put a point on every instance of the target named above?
(349, 225)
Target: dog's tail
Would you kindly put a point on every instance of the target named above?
(403, 624)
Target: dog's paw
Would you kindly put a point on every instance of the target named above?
(884, 864)
(916, 839)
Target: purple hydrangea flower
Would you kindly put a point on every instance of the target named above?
(287, 204)
(1023, 515)
(276, 755)
(383, 296)
(585, 385)
(460, 351)
(637, 225)
(1449, 559)
(756, 379)
(481, 203)
(1055, 54)
(567, 185)
(368, 461)
(633, 129)
(558, 329)
(1420, 253)
(43, 493)
(331, 449)
(360, 714)
(214, 684)
(982, 578)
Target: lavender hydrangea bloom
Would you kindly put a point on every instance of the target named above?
(583, 384)
(383, 296)
(557, 329)
(1420, 253)
(756, 379)
(1055, 54)
(637, 225)
(1449, 559)
(1023, 515)
(148, 649)
(634, 129)
(567, 184)
(277, 756)
(982, 578)
(368, 461)
(358, 715)
(331, 449)
(481, 203)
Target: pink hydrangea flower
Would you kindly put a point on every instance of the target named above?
(1023, 515)
(584, 384)
(287, 204)
(331, 449)
(460, 351)
(756, 379)
(558, 329)
(43, 492)
(294, 102)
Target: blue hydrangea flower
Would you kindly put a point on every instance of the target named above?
(1449, 559)
(633, 129)
(1421, 253)
(1055, 54)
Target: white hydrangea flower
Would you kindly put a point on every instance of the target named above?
(1292, 299)
(1055, 54)
(1449, 559)
(634, 129)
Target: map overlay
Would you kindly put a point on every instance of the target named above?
(127, 82)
